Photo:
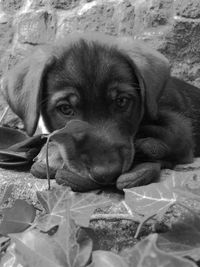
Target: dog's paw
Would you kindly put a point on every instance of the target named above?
(75, 181)
(141, 174)
(152, 148)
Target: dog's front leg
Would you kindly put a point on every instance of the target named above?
(161, 145)
(170, 139)
(140, 174)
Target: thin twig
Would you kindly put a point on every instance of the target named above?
(4, 114)
(47, 156)
(142, 223)
(47, 163)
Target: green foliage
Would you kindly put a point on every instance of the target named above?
(60, 234)
(183, 239)
(146, 253)
(156, 198)
(18, 218)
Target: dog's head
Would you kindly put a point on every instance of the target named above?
(99, 86)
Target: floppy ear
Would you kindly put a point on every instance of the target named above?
(22, 87)
(152, 70)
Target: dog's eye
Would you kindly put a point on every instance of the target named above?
(66, 109)
(122, 102)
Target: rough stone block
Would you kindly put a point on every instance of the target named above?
(36, 27)
(153, 21)
(152, 13)
(6, 36)
(188, 8)
(181, 47)
(60, 4)
(12, 6)
(112, 17)
(7, 61)
(182, 42)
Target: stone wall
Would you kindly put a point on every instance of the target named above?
(171, 26)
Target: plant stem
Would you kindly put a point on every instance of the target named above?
(142, 223)
(47, 163)
(4, 114)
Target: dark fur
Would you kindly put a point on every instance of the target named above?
(161, 123)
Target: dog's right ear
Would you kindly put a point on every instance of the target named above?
(22, 87)
(152, 70)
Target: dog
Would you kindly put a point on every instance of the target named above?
(125, 115)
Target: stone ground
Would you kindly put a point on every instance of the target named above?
(113, 228)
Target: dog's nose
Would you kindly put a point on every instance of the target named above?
(105, 170)
(89, 153)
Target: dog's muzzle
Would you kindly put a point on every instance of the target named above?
(86, 157)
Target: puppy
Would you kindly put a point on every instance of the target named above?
(119, 102)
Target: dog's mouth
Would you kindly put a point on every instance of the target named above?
(83, 163)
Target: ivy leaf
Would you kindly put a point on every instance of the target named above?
(55, 203)
(81, 206)
(107, 259)
(84, 205)
(155, 198)
(66, 246)
(151, 199)
(146, 254)
(85, 249)
(17, 218)
(7, 259)
(33, 248)
(56, 240)
(54, 200)
(183, 239)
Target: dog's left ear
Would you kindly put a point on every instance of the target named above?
(152, 70)
(22, 87)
